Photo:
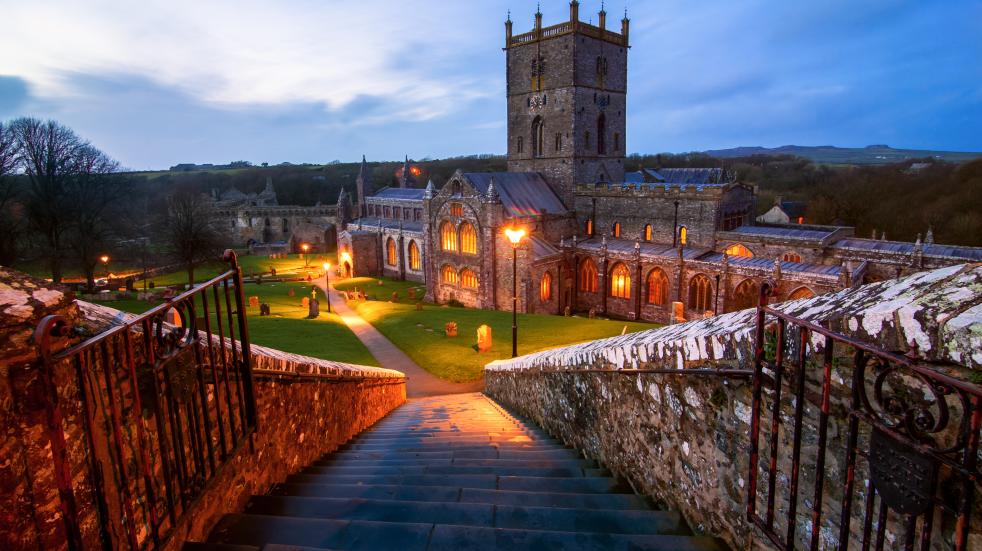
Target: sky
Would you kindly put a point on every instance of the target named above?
(160, 82)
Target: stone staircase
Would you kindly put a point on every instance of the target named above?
(450, 473)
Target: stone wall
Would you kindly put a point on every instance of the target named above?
(305, 407)
(683, 439)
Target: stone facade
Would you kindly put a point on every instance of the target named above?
(683, 439)
(339, 400)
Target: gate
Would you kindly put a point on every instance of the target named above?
(899, 467)
(164, 400)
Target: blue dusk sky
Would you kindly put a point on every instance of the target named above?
(160, 82)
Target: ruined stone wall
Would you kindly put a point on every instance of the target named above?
(684, 439)
(305, 407)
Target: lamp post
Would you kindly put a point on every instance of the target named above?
(515, 236)
(327, 285)
(305, 247)
(105, 265)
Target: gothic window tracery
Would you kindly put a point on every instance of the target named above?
(657, 287)
(468, 279)
(390, 252)
(468, 239)
(620, 281)
(545, 287)
(448, 237)
(414, 261)
(700, 293)
(588, 276)
(538, 137)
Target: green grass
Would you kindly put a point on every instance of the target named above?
(291, 265)
(383, 292)
(326, 337)
(457, 359)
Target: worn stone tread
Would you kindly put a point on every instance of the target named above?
(242, 528)
(462, 538)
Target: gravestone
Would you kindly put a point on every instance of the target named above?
(592, 314)
(484, 338)
(380, 283)
(450, 329)
(253, 302)
(419, 306)
(291, 292)
(313, 309)
(395, 297)
(272, 272)
(305, 302)
(678, 312)
(412, 293)
(264, 309)
(567, 312)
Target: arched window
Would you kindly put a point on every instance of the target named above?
(390, 252)
(285, 225)
(620, 281)
(739, 250)
(545, 287)
(588, 276)
(647, 232)
(700, 294)
(448, 236)
(589, 227)
(746, 295)
(448, 275)
(616, 230)
(468, 239)
(602, 134)
(468, 279)
(538, 137)
(792, 257)
(657, 287)
(414, 263)
(683, 235)
(801, 292)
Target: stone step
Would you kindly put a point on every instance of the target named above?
(519, 469)
(471, 514)
(593, 484)
(453, 441)
(338, 462)
(205, 546)
(249, 529)
(463, 453)
(623, 501)
(454, 446)
(494, 436)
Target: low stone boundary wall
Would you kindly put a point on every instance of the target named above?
(306, 407)
(683, 439)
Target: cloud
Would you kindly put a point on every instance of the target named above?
(13, 94)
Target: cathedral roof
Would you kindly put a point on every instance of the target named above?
(412, 194)
(542, 248)
(521, 193)
(681, 176)
(972, 254)
(786, 232)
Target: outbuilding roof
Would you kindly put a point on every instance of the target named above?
(902, 247)
(522, 193)
(411, 194)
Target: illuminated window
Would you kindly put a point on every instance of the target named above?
(390, 252)
(647, 232)
(620, 282)
(617, 229)
(746, 295)
(739, 250)
(448, 275)
(448, 237)
(468, 279)
(792, 257)
(413, 256)
(588, 276)
(538, 137)
(801, 292)
(468, 239)
(801, 219)
(589, 227)
(456, 209)
(683, 235)
(545, 287)
(657, 287)
(700, 293)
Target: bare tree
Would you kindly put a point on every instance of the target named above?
(48, 153)
(10, 215)
(189, 231)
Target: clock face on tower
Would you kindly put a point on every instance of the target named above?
(535, 103)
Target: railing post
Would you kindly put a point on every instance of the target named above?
(245, 367)
(755, 404)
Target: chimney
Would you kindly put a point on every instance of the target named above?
(574, 12)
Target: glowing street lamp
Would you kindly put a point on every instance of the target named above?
(345, 259)
(327, 285)
(105, 265)
(515, 236)
(305, 247)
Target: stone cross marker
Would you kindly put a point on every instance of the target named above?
(484, 338)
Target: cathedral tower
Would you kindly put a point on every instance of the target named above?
(567, 92)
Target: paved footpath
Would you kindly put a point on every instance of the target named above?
(420, 382)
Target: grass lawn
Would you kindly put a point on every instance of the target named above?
(457, 359)
(251, 265)
(383, 292)
(326, 337)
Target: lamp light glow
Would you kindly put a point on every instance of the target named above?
(104, 258)
(515, 234)
(327, 266)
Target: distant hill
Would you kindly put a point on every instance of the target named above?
(829, 154)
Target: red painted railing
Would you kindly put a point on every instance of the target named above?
(164, 400)
(901, 470)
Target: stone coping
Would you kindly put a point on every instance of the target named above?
(940, 310)
(264, 358)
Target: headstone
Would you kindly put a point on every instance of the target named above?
(264, 309)
(708, 314)
(567, 312)
(395, 297)
(419, 306)
(412, 293)
(172, 316)
(291, 292)
(305, 302)
(450, 329)
(380, 283)
(168, 293)
(484, 338)
(152, 285)
(272, 272)
(129, 284)
(592, 314)
(253, 302)
(308, 278)
(678, 312)
(314, 309)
